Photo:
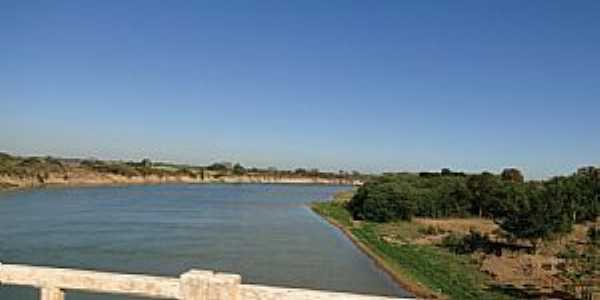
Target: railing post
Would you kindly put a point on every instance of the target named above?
(51, 293)
(225, 287)
(206, 285)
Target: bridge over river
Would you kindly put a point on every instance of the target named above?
(192, 285)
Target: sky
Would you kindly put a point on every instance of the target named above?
(354, 85)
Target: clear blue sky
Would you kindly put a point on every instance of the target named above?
(365, 85)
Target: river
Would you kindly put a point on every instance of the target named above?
(265, 232)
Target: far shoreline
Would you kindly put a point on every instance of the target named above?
(30, 172)
(67, 185)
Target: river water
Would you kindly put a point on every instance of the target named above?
(264, 232)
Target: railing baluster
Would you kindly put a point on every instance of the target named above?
(206, 285)
(51, 293)
(225, 287)
(194, 285)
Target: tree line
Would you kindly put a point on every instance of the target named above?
(531, 210)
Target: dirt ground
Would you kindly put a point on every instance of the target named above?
(520, 270)
(540, 272)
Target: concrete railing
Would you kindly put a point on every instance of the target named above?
(192, 285)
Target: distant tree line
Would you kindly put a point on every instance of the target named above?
(41, 167)
(227, 168)
(24, 167)
(531, 210)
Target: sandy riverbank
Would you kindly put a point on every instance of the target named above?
(86, 178)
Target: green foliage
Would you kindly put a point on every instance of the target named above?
(439, 270)
(217, 167)
(453, 241)
(36, 167)
(455, 198)
(401, 196)
(146, 163)
(474, 241)
(382, 202)
(485, 192)
(534, 213)
(238, 169)
(531, 211)
(512, 175)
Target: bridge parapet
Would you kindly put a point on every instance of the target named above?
(192, 285)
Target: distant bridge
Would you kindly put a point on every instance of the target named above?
(192, 285)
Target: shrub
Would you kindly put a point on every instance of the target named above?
(382, 202)
(453, 241)
(472, 242)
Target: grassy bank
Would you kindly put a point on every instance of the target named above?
(425, 270)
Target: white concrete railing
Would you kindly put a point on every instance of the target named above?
(192, 285)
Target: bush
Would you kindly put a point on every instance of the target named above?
(382, 202)
(472, 242)
(453, 242)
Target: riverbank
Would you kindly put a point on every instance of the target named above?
(26, 172)
(79, 179)
(339, 219)
(424, 270)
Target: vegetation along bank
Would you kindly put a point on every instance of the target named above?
(478, 236)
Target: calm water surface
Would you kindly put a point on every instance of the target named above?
(266, 233)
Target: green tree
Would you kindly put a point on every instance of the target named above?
(532, 213)
(300, 171)
(238, 169)
(455, 198)
(512, 175)
(147, 163)
(218, 167)
(382, 202)
(484, 193)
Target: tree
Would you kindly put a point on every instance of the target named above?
(532, 213)
(382, 202)
(484, 193)
(512, 175)
(455, 198)
(218, 167)
(238, 169)
(588, 188)
(579, 192)
(300, 171)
